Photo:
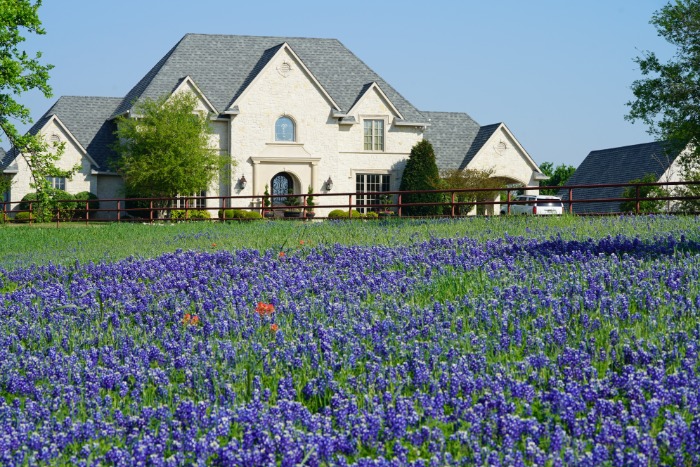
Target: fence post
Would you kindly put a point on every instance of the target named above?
(452, 203)
(571, 197)
(636, 198)
(87, 212)
(508, 201)
(349, 206)
(150, 210)
(31, 211)
(399, 203)
(187, 205)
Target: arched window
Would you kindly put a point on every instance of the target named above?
(284, 129)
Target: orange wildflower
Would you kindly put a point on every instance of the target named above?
(281, 254)
(213, 245)
(301, 242)
(274, 328)
(265, 309)
(191, 320)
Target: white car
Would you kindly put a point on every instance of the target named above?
(538, 205)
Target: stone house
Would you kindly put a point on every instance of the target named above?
(292, 113)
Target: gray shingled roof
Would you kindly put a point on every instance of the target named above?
(615, 165)
(222, 66)
(456, 138)
(87, 118)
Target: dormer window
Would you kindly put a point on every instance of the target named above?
(284, 130)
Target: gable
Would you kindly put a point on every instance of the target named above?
(223, 66)
(283, 69)
(503, 154)
(373, 101)
(187, 85)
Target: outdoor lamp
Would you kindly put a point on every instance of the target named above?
(242, 182)
(329, 184)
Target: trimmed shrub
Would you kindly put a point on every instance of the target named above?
(62, 204)
(421, 173)
(81, 198)
(340, 214)
(253, 215)
(371, 215)
(24, 204)
(22, 217)
(179, 214)
(236, 214)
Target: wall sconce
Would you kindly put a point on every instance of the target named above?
(242, 182)
(329, 184)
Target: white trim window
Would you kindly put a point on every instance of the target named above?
(374, 135)
(57, 183)
(366, 183)
(192, 202)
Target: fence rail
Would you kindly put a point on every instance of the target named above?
(452, 201)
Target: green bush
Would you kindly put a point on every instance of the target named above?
(60, 203)
(421, 173)
(340, 214)
(233, 214)
(371, 215)
(24, 204)
(81, 198)
(179, 214)
(22, 217)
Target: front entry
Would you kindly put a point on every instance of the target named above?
(282, 184)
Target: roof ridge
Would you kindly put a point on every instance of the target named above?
(137, 91)
(627, 146)
(250, 36)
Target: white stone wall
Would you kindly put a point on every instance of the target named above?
(322, 149)
(82, 180)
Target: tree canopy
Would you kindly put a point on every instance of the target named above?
(469, 179)
(668, 98)
(557, 176)
(421, 173)
(19, 73)
(165, 150)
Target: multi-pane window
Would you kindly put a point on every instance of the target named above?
(58, 183)
(192, 203)
(374, 135)
(366, 183)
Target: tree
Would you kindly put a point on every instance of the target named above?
(421, 173)
(650, 206)
(469, 179)
(19, 72)
(165, 151)
(557, 176)
(668, 101)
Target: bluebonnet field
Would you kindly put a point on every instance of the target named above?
(548, 347)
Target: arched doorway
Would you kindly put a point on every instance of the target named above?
(281, 184)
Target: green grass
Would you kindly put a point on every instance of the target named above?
(44, 243)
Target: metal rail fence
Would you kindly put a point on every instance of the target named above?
(453, 203)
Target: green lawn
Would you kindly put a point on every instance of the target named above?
(44, 243)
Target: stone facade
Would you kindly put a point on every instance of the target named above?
(318, 85)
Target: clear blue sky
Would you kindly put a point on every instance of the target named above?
(557, 72)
